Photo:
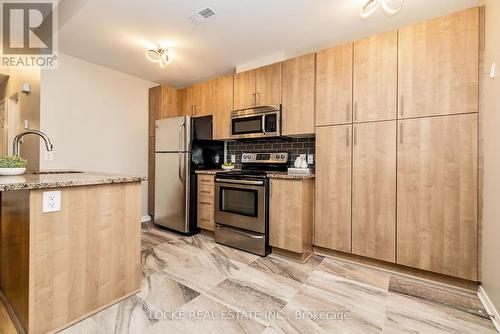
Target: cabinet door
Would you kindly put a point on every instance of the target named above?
(222, 105)
(374, 190)
(334, 85)
(290, 214)
(268, 84)
(438, 66)
(375, 78)
(298, 95)
(244, 90)
(155, 109)
(170, 107)
(437, 195)
(202, 98)
(185, 100)
(332, 227)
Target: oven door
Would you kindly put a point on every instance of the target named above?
(241, 203)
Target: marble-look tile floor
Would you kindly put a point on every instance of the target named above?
(193, 285)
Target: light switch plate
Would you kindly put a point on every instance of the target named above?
(51, 201)
(310, 159)
(233, 158)
(49, 156)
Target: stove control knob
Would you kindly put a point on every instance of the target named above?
(283, 156)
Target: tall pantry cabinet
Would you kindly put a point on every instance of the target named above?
(403, 186)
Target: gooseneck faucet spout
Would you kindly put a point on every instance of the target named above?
(17, 139)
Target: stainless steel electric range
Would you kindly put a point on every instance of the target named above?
(242, 202)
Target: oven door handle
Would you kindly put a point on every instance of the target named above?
(255, 183)
(233, 230)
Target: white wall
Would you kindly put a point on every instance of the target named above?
(490, 109)
(97, 119)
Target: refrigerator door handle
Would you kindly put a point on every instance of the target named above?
(181, 176)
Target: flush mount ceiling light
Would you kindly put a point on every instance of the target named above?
(159, 55)
(390, 7)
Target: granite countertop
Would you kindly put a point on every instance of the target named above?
(272, 175)
(59, 180)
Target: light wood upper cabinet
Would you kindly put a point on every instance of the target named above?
(202, 98)
(258, 87)
(374, 190)
(290, 220)
(437, 195)
(170, 107)
(298, 95)
(334, 85)
(332, 227)
(185, 100)
(244, 90)
(438, 66)
(222, 105)
(375, 78)
(268, 84)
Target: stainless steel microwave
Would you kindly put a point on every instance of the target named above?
(258, 122)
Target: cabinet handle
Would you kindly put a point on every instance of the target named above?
(258, 100)
(355, 136)
(254, 99)
(347, 140)
(347, 109)
(192, 110)
(401, 132)
(401, 106)
(355, 111)
(206, 203)
(205, 192)
(205, 219)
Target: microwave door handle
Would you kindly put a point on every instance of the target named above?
(264, 124)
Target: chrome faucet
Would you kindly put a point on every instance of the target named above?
(17, 139)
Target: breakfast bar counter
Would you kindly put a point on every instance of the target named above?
(69, 246)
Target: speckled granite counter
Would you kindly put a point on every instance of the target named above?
(285, 175)
(271, 175)
(47, 181)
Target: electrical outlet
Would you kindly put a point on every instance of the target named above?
(51, 201)
(49, 156)
(233, 158)
(310, 159)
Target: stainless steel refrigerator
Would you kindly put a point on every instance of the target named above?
(172, 173)
(183, 145)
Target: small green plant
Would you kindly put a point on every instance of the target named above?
(12, 162)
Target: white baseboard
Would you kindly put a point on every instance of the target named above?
(490, 308)
(145, 219)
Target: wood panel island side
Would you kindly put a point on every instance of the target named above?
(57, 268)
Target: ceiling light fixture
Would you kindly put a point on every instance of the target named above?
(371, 7)
(159, 55)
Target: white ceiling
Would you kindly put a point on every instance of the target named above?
(115, 33)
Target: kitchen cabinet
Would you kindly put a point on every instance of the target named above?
(268, 85)
(244, 90)
(437, 194)
(202, 98)
(206, 202)
(291, 212)
(438, 66)
(185, 98)
(258, 87)
(374, 190)
(222, 105)
(332, 227)
(334, 85)
(375, 78)
(298, 95)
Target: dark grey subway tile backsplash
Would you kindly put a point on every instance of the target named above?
(294, 146)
